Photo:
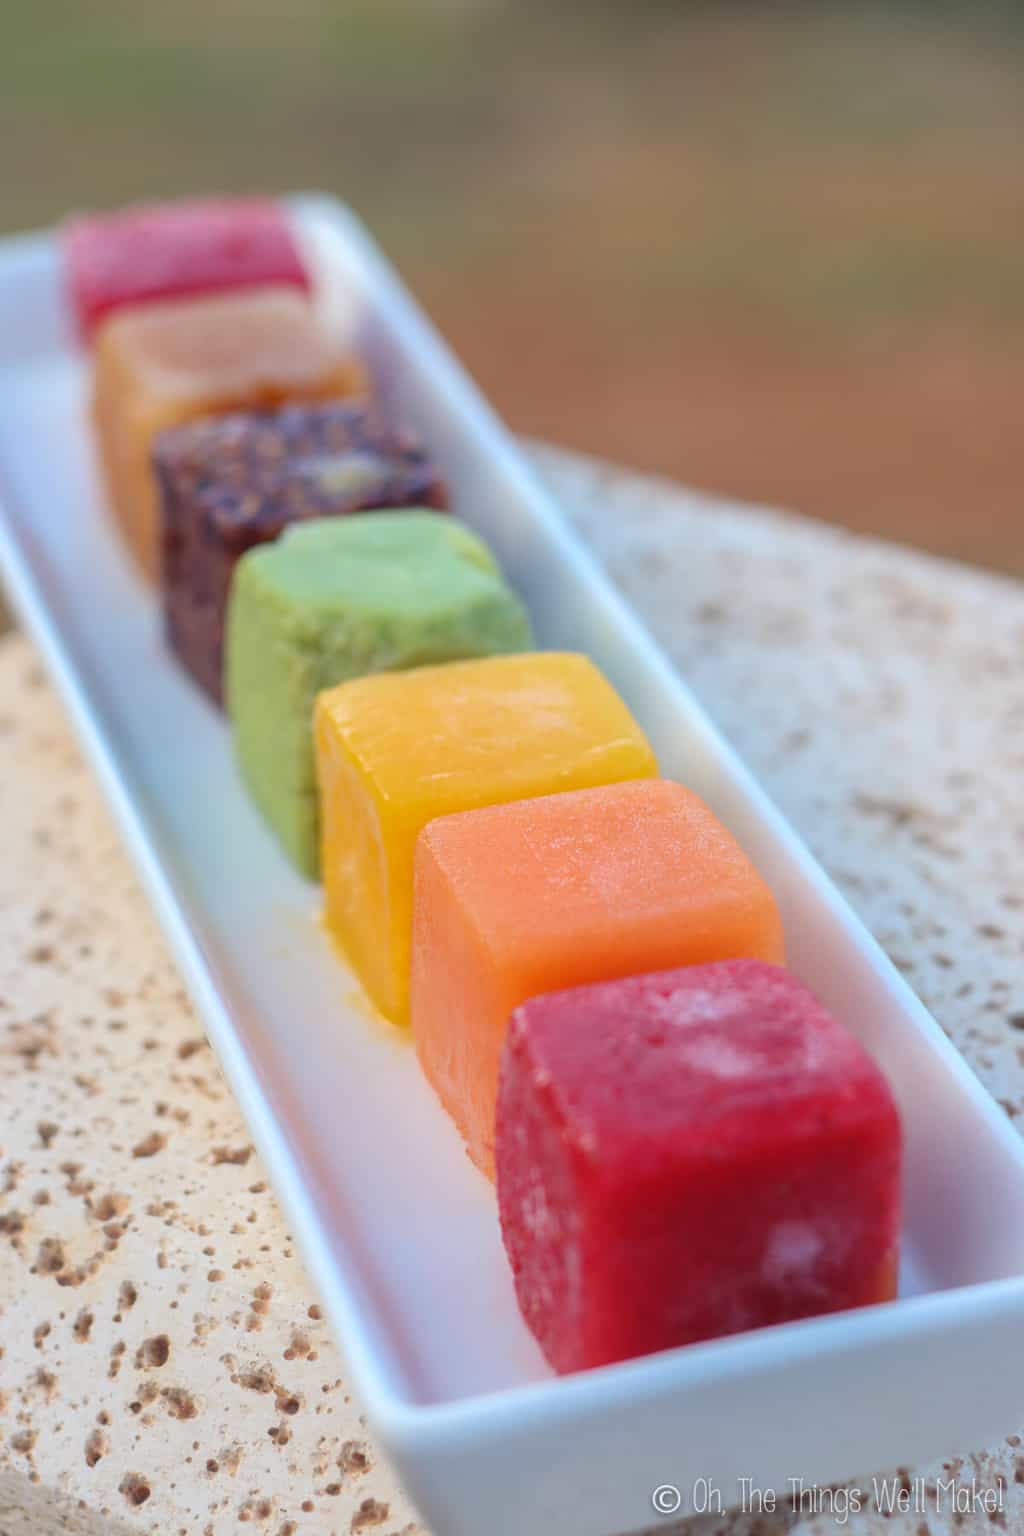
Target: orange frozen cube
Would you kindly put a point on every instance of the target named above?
(538, 895)
(168, 363)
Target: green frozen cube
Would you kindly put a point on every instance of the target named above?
(335, 599)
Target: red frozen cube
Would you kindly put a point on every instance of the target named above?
(177, 250)
(691, 1153)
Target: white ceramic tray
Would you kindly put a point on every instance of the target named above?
(398, 1230)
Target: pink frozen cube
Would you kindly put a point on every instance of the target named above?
(176, 250)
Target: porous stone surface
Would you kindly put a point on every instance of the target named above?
(164, 1365)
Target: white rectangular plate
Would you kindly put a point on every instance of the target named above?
(399, 1231)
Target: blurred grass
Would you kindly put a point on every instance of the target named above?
(772, 249)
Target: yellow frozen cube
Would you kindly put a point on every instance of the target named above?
(398, 749)
(162, 365)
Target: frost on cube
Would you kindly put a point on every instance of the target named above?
(688, 1154)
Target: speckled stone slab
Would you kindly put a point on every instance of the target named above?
(164, 1365)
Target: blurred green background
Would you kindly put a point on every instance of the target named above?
(770, 249)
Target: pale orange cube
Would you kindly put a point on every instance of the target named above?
(164, 364)
(537, 895)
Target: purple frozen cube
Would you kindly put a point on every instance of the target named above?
(228, 483)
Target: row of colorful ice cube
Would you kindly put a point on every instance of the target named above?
(459, 1013)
